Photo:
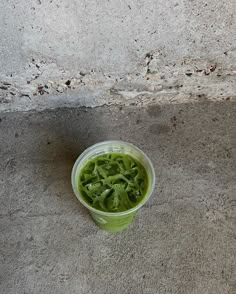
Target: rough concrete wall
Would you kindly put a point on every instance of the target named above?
(112, 50)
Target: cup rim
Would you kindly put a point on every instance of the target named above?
(104, 213)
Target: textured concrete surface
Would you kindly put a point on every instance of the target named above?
(167, 50)
(183, 240)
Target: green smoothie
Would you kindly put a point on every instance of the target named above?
(113, 182)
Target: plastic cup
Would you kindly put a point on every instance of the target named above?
(113, 221)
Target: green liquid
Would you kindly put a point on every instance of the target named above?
(113, 182)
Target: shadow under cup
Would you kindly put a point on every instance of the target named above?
(113, 221)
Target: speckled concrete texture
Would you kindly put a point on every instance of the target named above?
(67, 52)
(182, 241)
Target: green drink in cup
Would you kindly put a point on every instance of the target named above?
(113, 179)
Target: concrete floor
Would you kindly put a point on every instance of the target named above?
(183, 240)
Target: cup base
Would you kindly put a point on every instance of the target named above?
(113, 223)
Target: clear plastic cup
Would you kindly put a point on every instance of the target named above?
(113, 221)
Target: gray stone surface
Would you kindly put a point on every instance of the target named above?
(112, 36)
(161, 48)
(182, 241)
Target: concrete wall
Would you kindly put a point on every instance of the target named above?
(110, 47)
